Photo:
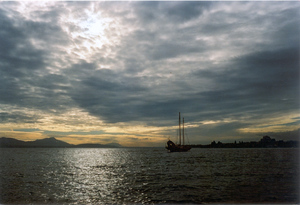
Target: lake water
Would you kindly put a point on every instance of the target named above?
(148, 175)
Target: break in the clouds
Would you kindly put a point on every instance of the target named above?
(121, 71)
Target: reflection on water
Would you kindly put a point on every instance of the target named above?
(148, 175)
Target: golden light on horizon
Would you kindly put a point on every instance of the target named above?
(24, 136)
(273, 124)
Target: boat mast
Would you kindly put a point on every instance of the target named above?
(183, 131)
(179, 130)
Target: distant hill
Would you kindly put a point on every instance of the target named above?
(50, 143)
(10, 142)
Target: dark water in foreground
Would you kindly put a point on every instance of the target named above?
(148, 175)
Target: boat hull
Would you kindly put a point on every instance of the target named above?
(172, 147)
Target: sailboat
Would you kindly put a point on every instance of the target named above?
(172, 147)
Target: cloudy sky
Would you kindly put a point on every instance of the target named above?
(103, 72)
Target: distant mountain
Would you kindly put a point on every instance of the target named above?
(10, 142)
(50, 143)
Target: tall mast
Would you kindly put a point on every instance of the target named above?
(179, 130)
(183, 131)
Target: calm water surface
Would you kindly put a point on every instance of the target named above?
(148, 175)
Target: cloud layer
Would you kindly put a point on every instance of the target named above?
(127, 68)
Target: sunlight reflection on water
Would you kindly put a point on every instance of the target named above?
(148, 175)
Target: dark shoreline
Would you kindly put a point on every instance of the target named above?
(265, 142)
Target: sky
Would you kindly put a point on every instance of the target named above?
(120, 72)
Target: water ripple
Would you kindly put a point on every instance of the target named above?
(150, 176)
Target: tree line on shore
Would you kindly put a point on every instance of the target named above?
(266, 141)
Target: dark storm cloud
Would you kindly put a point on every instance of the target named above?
(261, 83)
(17, 58)
(158, 35)
(208, 62)
(254, 84)
(178, 12)
(17, 53)
(185, 11)
(25, 80)
(107, 94)
(18, 117)
(170, 50)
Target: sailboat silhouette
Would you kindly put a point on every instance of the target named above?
(172, 147)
